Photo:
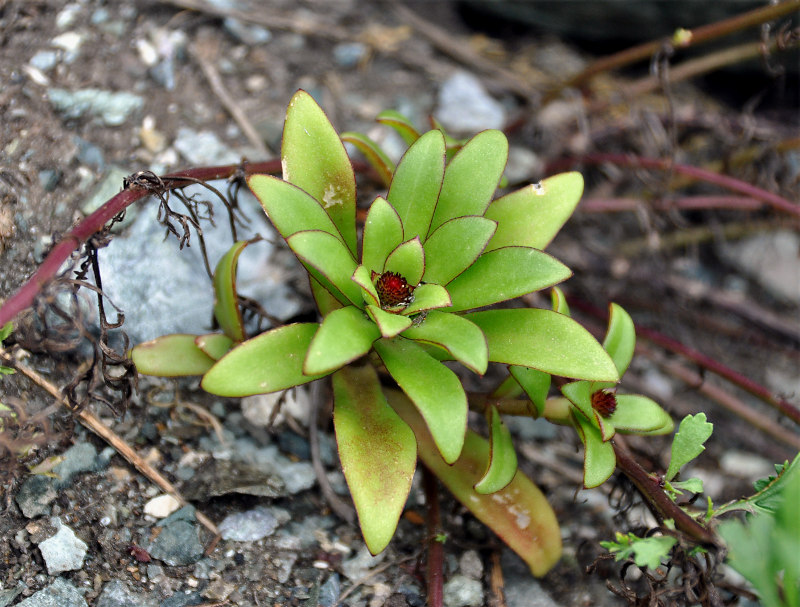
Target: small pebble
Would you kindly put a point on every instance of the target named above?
(161, 506)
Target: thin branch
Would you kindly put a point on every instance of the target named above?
(107, 434)
(657, 500)
(662, 164)
(684, 203)
(24, 296)
(694, 37)
(202, 53)
(452, 46)
(434, 569)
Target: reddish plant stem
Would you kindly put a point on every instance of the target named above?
(706, 362)
(24, 296)
(616, 205)
(657, 500)
(662, 164)
(434, 569)
(697, 36)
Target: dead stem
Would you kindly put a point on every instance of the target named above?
(662, 164)
(203, 52)
(694, 37)
(107, 434)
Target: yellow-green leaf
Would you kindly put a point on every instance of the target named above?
(314, 159)
(377, 449)
(269, 362)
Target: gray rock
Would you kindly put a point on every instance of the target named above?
(64, 551)
(329, 591)
(771, 260)
(461, 591)
(180, 599)
(58, 594)
(166, 290)
(249, 526)
(108, 187)
(204, 147)
(177, 544)
(81, 457)
(67, 16)
(117, 594)
(44, 60)
(90, 154)
(521, 588)
(470, 565)
(348, 54)
(465, 107)
(7, 596)
(357, 567)
(49, 179)
(35, 495)
(112, 108)
(252, 35)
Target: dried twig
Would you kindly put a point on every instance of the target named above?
(694, 37)
(661, 164)
(107, 434)
(202, 52)
(463, 53)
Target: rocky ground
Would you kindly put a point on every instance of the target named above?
(94, 91)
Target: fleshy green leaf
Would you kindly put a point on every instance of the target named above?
(269, 362)
(693, 431)
(214, 344)
(544, 340)
(377, 449)
(427, 297)
(330, 258)
(383, 231)
(363, 278)
(461, 338)
(599, 461)
(535, 383)
(533, 215)
(399, 123)
(417, 182)
(579, 394)
(518, 514)
(471, 177)
(314, 159)
(620, 339)
(171, 356)
(345, 335)
(389, 324)
(373, 153)
(502, 464)
(505, 274)
(645, 552)
(323, 297)
(6, 330)
(559, 301)
(636, 414)
(289, 208)
(433, 388)
(408, 260)
(454, 246)
(226, 306)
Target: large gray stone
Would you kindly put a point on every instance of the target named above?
(57, 594)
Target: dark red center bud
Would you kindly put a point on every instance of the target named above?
(393, 291)
(604, 402)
